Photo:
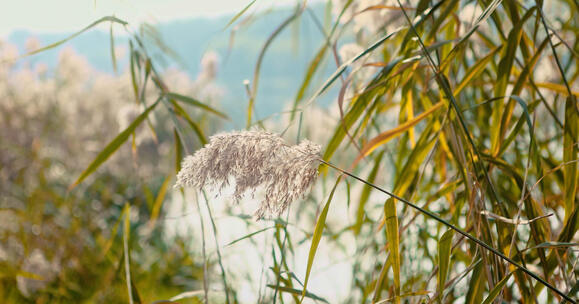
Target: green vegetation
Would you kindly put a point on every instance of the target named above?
(448, 169)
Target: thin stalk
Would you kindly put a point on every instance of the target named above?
(204, 253)
(455, 228)
(223, 277)
(278, 279)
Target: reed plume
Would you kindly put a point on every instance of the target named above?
(254, 159)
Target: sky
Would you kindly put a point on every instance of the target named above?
(42, 16)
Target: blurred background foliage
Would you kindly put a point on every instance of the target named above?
(467, 109)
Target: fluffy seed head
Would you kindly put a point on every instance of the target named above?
(253, 159)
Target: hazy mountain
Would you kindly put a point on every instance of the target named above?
(282, 71)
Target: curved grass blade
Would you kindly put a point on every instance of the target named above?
(552, 245)
(196, 103)
(317, 236)
(257, 68)
(239, 14)
(298, 292)
(113, 146)
(55, 44)
(181, 112)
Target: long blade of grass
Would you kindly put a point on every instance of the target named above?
(444, 250)
(386, 136)
(317, 236)
(503, 75)
(126, 233)
(194, 126)
(159, 201)
(570, 153)
(249, 235)
(112, 19)
(345, 65)
(476, 70)
(366, 194)
(113, 54)
(113, 146)
(497, 290)
(196, 103)
(392, 235)
(239, 14)
(297, 292)
(257, 68)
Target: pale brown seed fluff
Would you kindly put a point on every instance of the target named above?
(254, 159)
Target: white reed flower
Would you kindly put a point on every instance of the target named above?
(254, 159)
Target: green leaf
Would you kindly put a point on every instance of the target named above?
(366, 194)
(444, 250)
(503, 75)
(55, 44)
(113, 146)
(112, 43)
(571, 134)
(249, 235)
(320, 224)
(475, 70)
(345, 65)
(552, 245)
(181, 112)
(497, 289)
(314, 64)
(392, 234)
(239, 14)
(297, 292)
(196, 103)
(159, 201)
(475, 285)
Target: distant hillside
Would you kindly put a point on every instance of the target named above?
(282, 70)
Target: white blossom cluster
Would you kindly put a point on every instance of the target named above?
(254, 159)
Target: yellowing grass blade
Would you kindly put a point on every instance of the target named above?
(570, 150)
(318, 236)
(366, 194)
(385, 137)
(391, 219)
(159, 201)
